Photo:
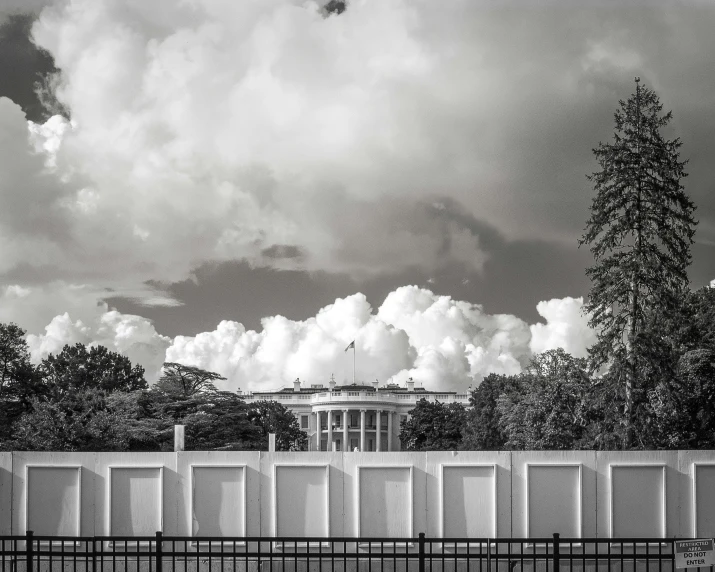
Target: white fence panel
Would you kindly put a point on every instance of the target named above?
(452, 494)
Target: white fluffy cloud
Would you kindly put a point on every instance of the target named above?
(87, 320)
(566, 327)
(132, 336)
(442, 343)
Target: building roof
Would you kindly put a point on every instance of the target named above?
(389, 388)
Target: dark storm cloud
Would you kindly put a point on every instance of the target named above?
(22, 64)
(515, 277)
(283, 251)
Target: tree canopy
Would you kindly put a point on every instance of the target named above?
(79, 367)
(92, 399)
(186, 380)
(433, 426)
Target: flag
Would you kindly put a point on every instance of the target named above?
(350, 345)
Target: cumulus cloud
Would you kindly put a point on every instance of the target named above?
(132, 336)
(87, 320)
(443, 344)
(566, 327)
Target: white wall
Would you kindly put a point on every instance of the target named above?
(457, 494)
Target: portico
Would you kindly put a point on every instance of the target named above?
(346, 428)
(350, 417)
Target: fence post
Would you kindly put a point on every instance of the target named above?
(159, 552)
(421, 551)
(557, 555)
(489, 555)
(94, 554)
(29, 550)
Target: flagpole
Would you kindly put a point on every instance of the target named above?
(354, 363)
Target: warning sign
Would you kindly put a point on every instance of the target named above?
(694, 553)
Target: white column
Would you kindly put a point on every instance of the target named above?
(330, 430)
(378, 432)
(389, 430)
(346, 441)
(319, 431)
(362, 430)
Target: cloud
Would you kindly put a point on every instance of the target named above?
(443, 344)
(87, 320)
(566, 327)
(132, 336)
(263, 131)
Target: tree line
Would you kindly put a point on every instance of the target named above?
(649, 380)
(92, 399)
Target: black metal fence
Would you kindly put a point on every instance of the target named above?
(160, 553)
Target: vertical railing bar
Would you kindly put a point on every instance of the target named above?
(28, 550)
(489, 554)
(159, 553)
(557, 552)
(421, 552)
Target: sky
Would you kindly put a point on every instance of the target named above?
(250, 186)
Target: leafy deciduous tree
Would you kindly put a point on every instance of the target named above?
(551, 409)
(433, 426)
(482, 429)
(274, 417)
(78, 368)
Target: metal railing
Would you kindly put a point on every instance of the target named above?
(161, 553)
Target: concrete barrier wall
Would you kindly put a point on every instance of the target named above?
(450, 494)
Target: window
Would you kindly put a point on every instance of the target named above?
(353, 444)
(337, 419)
(304, 421)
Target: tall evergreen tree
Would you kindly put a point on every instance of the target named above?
(639, 232)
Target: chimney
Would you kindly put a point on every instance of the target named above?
(296, 385)
(375, 384)
(410, 385)
(332, 382)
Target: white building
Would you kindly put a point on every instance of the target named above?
(353, 417)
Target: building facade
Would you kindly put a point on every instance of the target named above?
(353, 417)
